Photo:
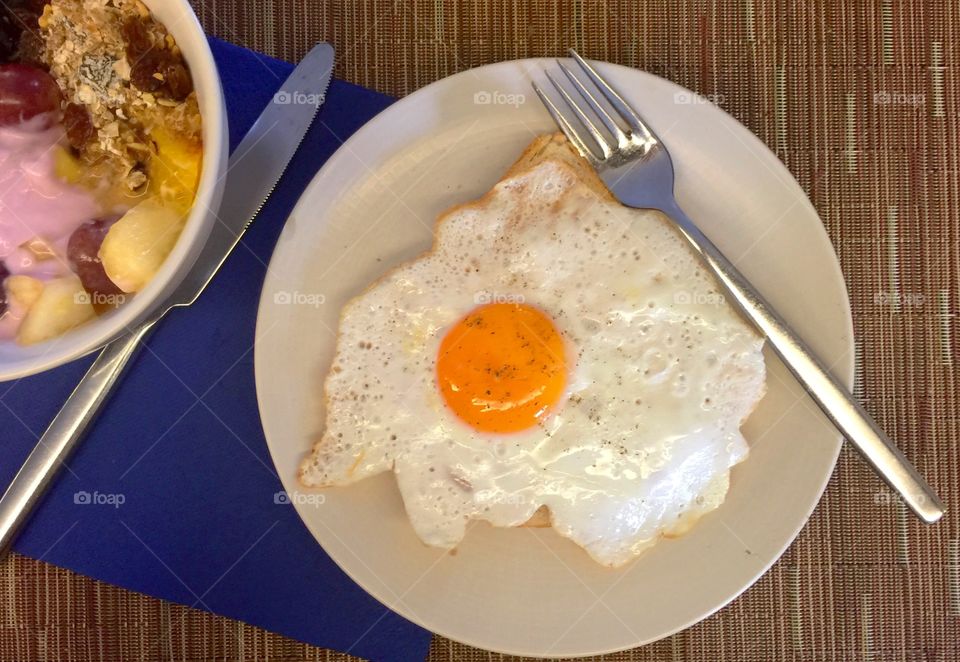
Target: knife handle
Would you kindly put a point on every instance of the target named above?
(68, 428)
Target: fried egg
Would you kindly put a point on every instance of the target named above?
(553, 352)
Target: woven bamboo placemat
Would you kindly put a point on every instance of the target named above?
(861, 100)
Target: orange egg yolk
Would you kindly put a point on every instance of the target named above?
(502, 368)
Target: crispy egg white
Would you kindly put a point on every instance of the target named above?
(635, 440)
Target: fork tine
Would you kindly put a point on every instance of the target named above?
(565, 126)
(595, 105)
(623, 108)
(585, 120)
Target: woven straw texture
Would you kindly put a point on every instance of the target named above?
(861, 100)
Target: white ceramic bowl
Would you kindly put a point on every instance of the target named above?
(178, 17)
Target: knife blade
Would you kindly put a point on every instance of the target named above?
(253, 171)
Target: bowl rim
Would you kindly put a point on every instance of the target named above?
(181, 21)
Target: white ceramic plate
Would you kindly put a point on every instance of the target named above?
(527, 591)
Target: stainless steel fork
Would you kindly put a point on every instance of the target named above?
(635, 165)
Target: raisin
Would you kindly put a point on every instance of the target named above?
(7, 49)
(153, 68)
(162, 72)
(77, 122)
(142, 72)
(177, 80)
(10, 31)
(136, 39)
(33, 6)
(83, 252)
(20, 32)
(30, 50)
(4, 272)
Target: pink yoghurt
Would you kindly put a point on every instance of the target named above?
(35, 203)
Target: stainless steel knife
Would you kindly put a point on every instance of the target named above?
(253, 171)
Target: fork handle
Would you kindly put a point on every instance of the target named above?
(64, 432)
(836, 402)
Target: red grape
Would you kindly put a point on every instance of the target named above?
(82, 251)
(25, 92)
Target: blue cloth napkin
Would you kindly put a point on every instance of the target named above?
(172, 493)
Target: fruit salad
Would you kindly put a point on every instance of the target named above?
(100, 155)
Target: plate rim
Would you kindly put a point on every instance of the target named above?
(843, 370)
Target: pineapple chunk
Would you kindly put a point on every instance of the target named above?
(137, 244)
(66, 166)
(174, 168)
(24, 290)
(62, 305)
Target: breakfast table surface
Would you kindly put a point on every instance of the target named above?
(861, 100)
